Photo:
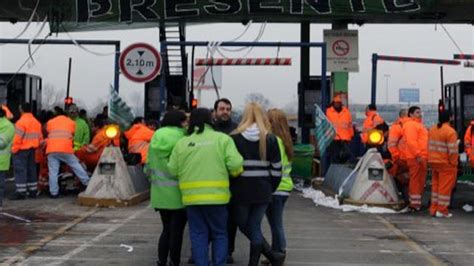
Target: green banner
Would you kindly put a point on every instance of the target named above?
(73, 15)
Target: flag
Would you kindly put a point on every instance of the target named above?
(119, 111)
(324, 131)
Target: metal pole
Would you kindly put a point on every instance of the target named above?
(304, 75)
(442, 81)
(374, 79)
(68, 78)
(191, 95)
(324, 101)
(117, 67)
(163, 82)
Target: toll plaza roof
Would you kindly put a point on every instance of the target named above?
(86, 15)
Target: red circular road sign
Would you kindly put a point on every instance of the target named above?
(341, 48)
(140, 62)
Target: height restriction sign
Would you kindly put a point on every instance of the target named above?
(140, 62)
(342, 50)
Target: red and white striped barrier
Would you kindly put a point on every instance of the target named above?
(243, 62)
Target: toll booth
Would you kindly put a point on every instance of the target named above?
(177, 95)
(459, 99)
(308, 95)
(20, 88)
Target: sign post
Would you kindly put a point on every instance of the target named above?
(140, 62)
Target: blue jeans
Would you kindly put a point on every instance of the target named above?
(54, 161)
(248, 218)
(3, 176)
(275, 218)
(205, 221)
(24, 167)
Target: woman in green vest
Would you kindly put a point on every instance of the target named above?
(7, 131)
(279, 125)
(165, 193)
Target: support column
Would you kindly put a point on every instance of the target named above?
(304, 70)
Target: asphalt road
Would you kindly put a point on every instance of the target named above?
(59, 232)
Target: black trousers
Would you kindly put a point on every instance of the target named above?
(171, 237)
(231, 229)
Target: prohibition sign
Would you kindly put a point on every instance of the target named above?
(341, 48)
(140, 62)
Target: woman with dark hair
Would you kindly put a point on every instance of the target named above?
(443, 158)
(165, 194)
(202, 162)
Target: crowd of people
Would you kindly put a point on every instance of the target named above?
(407, 152)
(206, 171)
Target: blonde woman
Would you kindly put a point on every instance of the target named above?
(252, 190)
(279, 125)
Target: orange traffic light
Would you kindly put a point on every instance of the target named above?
(194, 103)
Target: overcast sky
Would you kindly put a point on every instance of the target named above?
(92, 74)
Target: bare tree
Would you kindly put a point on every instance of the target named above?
(51, 97)
(258, 98)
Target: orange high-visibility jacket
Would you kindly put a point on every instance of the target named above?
(396, 143)
(372, 120)
(342, 122)
(8, 113)
(442, 145)
(28, 133)
(416, 138)
(100, 141)
(139, 137)
(60, 135)
(468, 143)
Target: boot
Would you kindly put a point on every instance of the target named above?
(255, 252)
(275, 258)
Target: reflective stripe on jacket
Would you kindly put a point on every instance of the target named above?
(28, 133)
(6, 138)
(372, 120)
(416, 137)
(165, 192)
(202, 162)
(139, 137)
(60, 135)
(442, 145)
(286, 183)
(342, 122)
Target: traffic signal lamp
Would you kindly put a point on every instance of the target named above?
(68, 101)
(441, 107)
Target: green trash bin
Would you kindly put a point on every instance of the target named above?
(302, 161)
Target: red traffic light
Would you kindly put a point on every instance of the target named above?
(68, 101)
(441, 106)
(194, 103)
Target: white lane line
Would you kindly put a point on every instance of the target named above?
(15, 217)
(99, 237)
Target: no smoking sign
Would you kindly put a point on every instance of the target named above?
(140, 62)
(341, 48)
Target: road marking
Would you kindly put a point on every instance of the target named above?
(433, 260)
(19, 257)
(97, 238)
(15, 217)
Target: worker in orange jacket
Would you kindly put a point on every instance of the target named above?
(139, 137)
(341, 118)
(60, 149)
(397, 148)
(90, 154)
(443, 159)
(468, 143)
(416, 137)
(27, 139)
(372, 119)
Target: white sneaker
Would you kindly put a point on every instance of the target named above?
(440, 215)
